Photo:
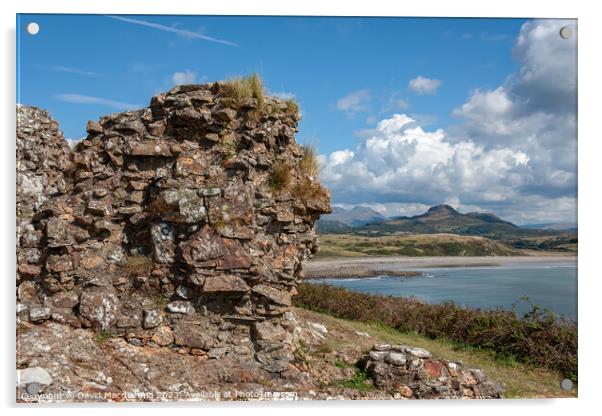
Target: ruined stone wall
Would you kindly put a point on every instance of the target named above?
(184, 224)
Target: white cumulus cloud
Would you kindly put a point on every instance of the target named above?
(355, 102)
(401, 162)
(422, 85)
(91, 100)
(184, 77)
(514, 152)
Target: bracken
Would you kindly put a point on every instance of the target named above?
(538, 338)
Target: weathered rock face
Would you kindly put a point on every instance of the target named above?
(414, 373)
(166, 225)
(43, 160)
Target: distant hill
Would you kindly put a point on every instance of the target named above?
(556, 226)
(348, 245)
(438, 219)
(356, 217)
(332, 227)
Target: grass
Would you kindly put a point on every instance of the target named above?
(357, 382)
(307, 189)
(305, 186)
(138, 265)
(412, 245)
(538, 338)
(102, 336)
(326, 347)
(159, 301)
(520, 380)
(292, 107)
(229, 146)
(280, 177)
(240, 88)
(308, 165)
(339, 363)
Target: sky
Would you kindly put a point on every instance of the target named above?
(405, 113)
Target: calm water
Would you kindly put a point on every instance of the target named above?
(551, 286)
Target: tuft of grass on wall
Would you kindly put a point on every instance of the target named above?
(308, 165)
(280, 177)
(138, 265)
(240, 88)
(292, 107)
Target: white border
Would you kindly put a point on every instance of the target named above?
(590, 161)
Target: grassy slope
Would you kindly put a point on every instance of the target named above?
(521, 381)
(345, 245)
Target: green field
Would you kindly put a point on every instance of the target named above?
(347, 245)
(520, 380)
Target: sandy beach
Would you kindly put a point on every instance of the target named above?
(400, 265)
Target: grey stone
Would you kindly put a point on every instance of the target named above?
(180, 306)
(419, 352)
(225, 284)
(396, 358)
(268, 330)
(152, 318)
(39, 314)
(33, 375)
(381, 347)
(99, 306)
(378, 355)
(278, 296)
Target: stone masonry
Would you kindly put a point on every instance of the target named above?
(184, 224)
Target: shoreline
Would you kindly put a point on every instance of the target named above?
(361, 267)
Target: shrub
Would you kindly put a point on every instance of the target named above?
(538, 338)
(280, 177)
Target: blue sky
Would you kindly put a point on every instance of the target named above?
(348, 74)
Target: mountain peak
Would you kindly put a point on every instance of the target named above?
(354, 217)
(442, 209)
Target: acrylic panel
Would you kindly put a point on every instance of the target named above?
(295, 208)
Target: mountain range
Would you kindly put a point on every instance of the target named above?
(438, 219)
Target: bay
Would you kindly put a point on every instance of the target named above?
(550, 286)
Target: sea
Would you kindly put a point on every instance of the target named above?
(549, 286)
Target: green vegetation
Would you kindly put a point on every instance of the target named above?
(357, 382)
(339, 363)
(345, 245)
(325, 347)
(444, 219)
(102, 337)
(563, 242)
(520, 380)
(229, 146)
(538, 339)
(160, 301)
